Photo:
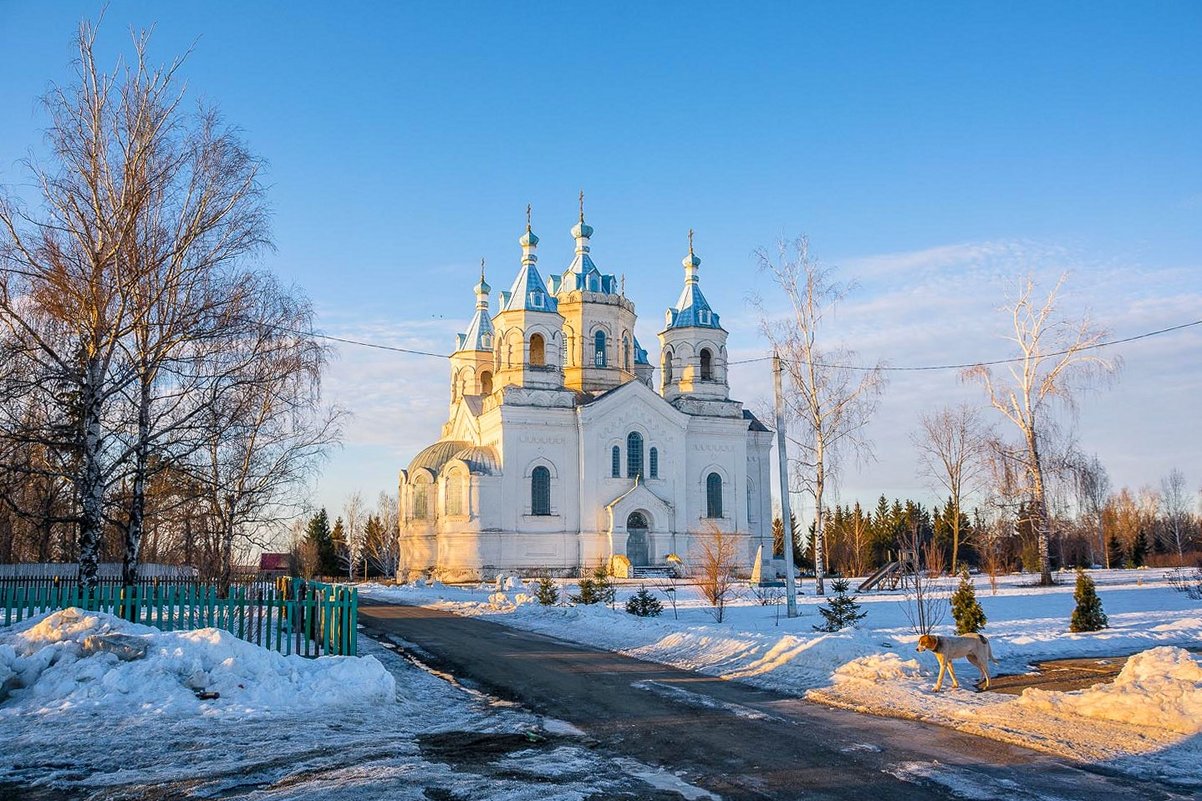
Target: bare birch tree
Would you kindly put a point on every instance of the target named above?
(829, 403)
(951, 444)
(1057, 359)
(1093, 489)
(354, 516)
(64, 281)
(1175, 501)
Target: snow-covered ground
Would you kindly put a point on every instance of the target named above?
(369, 727)
(1148, 722)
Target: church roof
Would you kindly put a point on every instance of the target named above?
(582, 273)
(479, 332)
(529, 293)
(692, 310)
(480, 459)
(753, 422)
(640, 353)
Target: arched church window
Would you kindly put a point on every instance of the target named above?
(634, 455)
(420, 509)
(707, 365)
(485, 383)
(626, 352)
(713, 495)
(599, 349)
(615, 462)
(668, 367)
(653, 463)
(540, 491)
(538, 350)
(454, 502)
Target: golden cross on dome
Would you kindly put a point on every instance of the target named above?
(581, 205)
(690, 241)
(527, 216)
(482, 271)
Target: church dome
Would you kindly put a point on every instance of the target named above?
(582, 230)
(437, 455)
(480, 459)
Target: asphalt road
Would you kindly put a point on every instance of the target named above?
(729, 738)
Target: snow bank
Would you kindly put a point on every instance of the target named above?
(1159, 688)
(46, 664)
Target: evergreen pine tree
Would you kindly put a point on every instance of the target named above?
(644, 604)
(841, 611)
(1139, 548)
(595, 589)
(1088, 616)
(1114, 551)
(970, 617)
(547, 591)
(318, 532)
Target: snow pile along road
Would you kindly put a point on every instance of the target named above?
(1159, 688)
(76, 660)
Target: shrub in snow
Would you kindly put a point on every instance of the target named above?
(644, 604)
(597, 589)
(1190, 584)
(499, 600)
(547, 592)
(970, 617)
(1088, 616)
(842, 611)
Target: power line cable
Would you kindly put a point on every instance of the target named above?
(903, 368)
(991, 363)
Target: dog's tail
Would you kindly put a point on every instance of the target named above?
(988, 649)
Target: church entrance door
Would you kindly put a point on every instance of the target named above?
(636, 540)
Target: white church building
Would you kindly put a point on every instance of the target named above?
(563, 449)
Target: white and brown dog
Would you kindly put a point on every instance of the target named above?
(973, 647)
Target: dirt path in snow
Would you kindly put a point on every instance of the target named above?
(732, 739)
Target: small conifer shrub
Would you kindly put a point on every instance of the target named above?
(547, 591)
(595, 589)
(644, 604)
(843, 611)
(1088, 616)
(970, 617)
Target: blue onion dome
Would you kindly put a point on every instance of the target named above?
(582, 230)
(528, 239)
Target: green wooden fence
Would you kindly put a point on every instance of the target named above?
(309, 618)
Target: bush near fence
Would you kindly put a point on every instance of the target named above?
(292, 616)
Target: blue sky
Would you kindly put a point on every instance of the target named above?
(933, 153)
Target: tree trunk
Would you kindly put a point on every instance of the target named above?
(89, 479)
(137, 506)
(1042, 525)
(819, 555)
(955, 533)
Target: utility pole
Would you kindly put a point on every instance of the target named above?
(786, 515)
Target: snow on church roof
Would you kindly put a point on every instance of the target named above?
(692, 310)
